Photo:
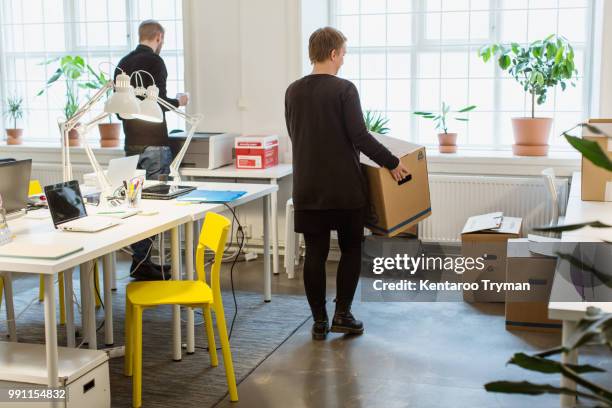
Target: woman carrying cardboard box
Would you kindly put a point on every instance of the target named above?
(327, 131)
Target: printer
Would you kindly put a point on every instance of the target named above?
(206, 150)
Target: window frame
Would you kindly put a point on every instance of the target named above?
(421, 44)
(71, 24)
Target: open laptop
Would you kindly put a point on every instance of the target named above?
(15, 184)
(121, 169)
(68, 209)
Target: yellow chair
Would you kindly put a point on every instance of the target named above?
(143, 295)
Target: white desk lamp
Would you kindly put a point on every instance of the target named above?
(150, 111)
(124, 103)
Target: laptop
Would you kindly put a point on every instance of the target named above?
(165, 191)
(68, 212)
(121, 169)
(15, 184)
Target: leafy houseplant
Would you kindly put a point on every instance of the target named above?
(14, 112)
(109, 132)
(448, 141)
(538, 67)
(70, 69)
(376, 122)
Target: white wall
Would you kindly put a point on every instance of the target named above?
(240, 56)
(602, 60)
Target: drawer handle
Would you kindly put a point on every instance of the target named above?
(88, 386)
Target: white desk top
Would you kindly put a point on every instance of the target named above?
(230, 171)
(579, 211)
(170, 214)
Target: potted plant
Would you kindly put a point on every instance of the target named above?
(447, 141)
(71, 69)
(110, 132)
(14, 112)
(376, 122)
(538, 67)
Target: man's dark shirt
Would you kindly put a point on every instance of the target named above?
(327, 131)
(139, 132)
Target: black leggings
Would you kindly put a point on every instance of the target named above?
(350, 236)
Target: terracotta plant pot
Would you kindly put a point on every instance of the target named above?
(531, 132)
(13, 136)
(73, 138)
(109, 134)
(522, 150)
(448, 142)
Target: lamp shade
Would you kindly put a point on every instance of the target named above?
(149, 108)
(123, 101)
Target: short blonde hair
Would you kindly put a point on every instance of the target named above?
(148, 30)
(322, 42)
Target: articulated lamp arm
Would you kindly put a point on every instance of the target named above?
(72, 122)
(193, 122)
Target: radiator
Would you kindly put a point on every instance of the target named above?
(455, 198)
(51, 173)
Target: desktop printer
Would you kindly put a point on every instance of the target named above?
(206, 150)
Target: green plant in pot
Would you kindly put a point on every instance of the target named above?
(14, 112)
(538, 67)
(71, 70)
(447, 141)
(110, 132)
(376, 122)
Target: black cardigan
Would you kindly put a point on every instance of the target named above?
(327, 131)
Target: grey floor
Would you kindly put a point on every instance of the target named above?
(411, 355)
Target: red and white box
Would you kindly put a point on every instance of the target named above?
(256, 152)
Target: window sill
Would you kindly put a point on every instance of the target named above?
(501, 162)
(465, 161)
(42, 152)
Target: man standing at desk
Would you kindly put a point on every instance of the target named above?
(327, 132)
(147, 139)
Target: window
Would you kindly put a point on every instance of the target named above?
(408, 55)
(34, 31)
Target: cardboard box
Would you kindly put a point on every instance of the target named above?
(528, 311)
(486, 236)
(397, 206)
(256, 152)
(597, 182)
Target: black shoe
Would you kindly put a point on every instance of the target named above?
(145, 272)
(320, 327)
(345, 322)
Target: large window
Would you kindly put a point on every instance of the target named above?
(408, 55)
(34, 31)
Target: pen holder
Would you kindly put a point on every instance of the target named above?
(134, 192)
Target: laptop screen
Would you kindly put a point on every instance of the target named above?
(14, 184)
(65, 202)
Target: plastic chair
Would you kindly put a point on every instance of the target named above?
(191, 293)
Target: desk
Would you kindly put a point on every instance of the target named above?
(272, 174)
(568, 312)
(169, 217)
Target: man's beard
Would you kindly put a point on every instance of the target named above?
(158, 49)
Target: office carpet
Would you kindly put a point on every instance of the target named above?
(259, 329)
